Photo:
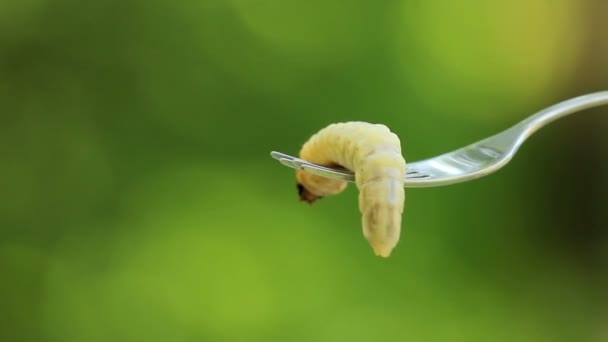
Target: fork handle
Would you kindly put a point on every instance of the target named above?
(577, 104)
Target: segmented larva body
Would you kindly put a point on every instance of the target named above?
(373, 152)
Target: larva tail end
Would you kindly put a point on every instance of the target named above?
(382, 227)
(307, 196)
(382, 251)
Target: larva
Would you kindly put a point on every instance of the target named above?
(373, 152)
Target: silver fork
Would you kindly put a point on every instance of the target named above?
(470, 162)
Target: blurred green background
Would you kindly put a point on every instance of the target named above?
(138, 200)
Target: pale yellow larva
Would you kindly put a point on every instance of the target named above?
(373, 152)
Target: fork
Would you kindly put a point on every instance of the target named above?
(470, 162)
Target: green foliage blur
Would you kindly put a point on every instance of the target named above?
(138, 201)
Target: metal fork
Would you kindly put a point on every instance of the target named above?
(470, 162)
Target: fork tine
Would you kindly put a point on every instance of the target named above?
(298, 162)
(329, 173)
(278, 155)
(301, 163)
(348, 176)
(288, 163)
(320, 170)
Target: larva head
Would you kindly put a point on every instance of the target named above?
(312, 187)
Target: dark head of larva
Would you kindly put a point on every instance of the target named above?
(305, 195)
